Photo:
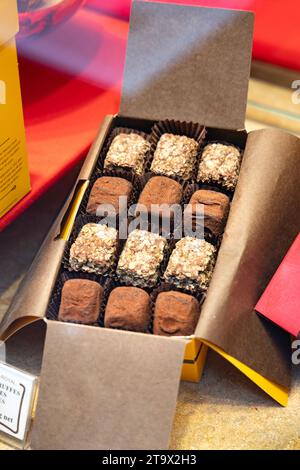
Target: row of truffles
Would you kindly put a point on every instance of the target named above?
(104, 198)
(176, 156)
(190, 265)
(165, 192)
(129, 308)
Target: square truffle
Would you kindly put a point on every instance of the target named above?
(94, 250)
(175, 155)
(191, 264)
(80, 301)
(215, 210)
(160, 190)
(127, 151)
(107, 190)
(175, 313)
(220, 164)
(128, 308)
(141, 258)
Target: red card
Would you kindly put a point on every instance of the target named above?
(281, 300)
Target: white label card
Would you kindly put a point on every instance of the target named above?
(16, 400)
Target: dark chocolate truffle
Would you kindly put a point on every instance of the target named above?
(108, 190)
(175, 314)
(128, 308)
(80, 301)
(160, 190)
(216, 209)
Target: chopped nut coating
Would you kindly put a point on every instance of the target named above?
(141, 257)
(191, 264)
(175, 155)
(220, 164)
(94, 249)
(127, 151)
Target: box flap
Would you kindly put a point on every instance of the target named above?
(106, 389)
(9, 23)
(188, 63)
(263, 222)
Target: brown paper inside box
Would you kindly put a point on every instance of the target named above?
(111, 389)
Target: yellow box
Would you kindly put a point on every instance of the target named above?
(14, 173)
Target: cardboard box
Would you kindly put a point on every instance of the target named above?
(14, 173)
(113, 389)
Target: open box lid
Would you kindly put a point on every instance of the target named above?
(106, 389)
(9, 24)
(187, 62)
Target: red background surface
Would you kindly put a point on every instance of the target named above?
(71, 77)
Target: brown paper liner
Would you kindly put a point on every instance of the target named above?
(80, 221)
(120, 173)
(113, 134)
(214, 185)
(167, 287)
(189, 129)
(54, 304)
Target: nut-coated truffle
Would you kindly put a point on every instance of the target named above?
(191, 264)
(175, 155)
(220, 164)
(127, 151)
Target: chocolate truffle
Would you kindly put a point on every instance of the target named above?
(128, 308)
(215, 210)
(191, 264)
(160, 190)
(220, 164)
(175, 155)
(141, 257)
(127, 151)
(80, 301)
(176, 314)
(108, 190)
(94, 249)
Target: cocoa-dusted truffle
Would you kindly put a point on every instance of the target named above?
(175, 155)
(215, 210)
(128, 308)
(80, 301)
(175, 313)
(141, 257)
(160, 190)
(108, 190)
(191, 264)
(94, 249)
(220, 163)
(127, 151)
